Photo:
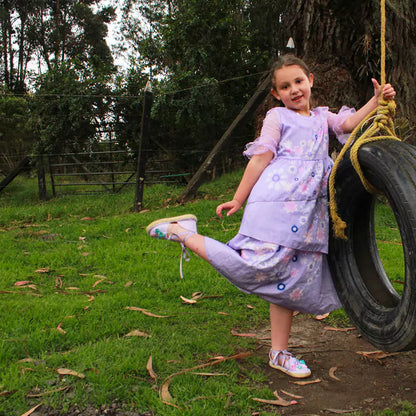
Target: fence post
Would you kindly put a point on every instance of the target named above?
(43, 196)
(143, 140)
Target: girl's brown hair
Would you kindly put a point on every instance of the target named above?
(271, 101)
(287, 60)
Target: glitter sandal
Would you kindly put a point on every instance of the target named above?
(286, 362)
(159, 229)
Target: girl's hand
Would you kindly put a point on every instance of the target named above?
(230, 206)
(388, 92)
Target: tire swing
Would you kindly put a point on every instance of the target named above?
(378, 164)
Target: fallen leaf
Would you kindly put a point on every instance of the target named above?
(197, 295)
(330, 328)
(332, 373)
(27, 360)
(149, 368)
(90, 297)
(129, 283)
(22, 283)
(29, 412)
(48, 392)
(137, 333)
(68, 372)
(250, 307)
(127, 230)
(321, 317)
(293, 396)
(144, 311)
(164, 391)
(82, 238)
(43, 270)
(88, 219)
(223, 313)
(278, 402)
(97, 282)
(85, 254)
(376, 355)
(72, 288)
(340, 411)
(188, 301)
(60, 329)
(237, 334)
(305, 383)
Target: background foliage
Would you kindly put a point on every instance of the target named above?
(204, 60)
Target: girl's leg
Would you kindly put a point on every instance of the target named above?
(280, 325)
(280, 358)
(195, 242)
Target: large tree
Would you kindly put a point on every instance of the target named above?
(342, 40)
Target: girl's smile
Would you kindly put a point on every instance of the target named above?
(293, 88)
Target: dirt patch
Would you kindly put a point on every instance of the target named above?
(365, 384)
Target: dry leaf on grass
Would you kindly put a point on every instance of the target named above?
(129, 283)
(43, 270)
(58, 328)
(137, 333)
(321, 317)
(29, 412)
(149, 368)
(237, 334)
(144, 311)
(332, 373)
(68, 372)
(22, 283)
(188, 301)
(164, 394)
(307, 382)
(47, 392)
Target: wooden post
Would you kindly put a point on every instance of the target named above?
(23, 164)
(43, 196)
(143, 140)
(259, 95)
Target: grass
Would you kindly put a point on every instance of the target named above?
(70, 267)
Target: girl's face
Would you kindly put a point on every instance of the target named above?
(293, 88)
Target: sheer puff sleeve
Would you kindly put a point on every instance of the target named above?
(335, 122)
(269, 136)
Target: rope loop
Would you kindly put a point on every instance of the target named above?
(381, 128)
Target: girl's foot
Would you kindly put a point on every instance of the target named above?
(286, 362)
(175, 229)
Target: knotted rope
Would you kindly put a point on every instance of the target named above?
(381, 128)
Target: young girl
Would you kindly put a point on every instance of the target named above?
(280, 251)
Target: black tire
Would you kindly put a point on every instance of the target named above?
(385, 318)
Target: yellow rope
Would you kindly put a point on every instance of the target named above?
(381, 128)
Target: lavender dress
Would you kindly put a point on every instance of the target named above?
(280, 250)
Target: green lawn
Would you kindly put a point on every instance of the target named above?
(83, 288)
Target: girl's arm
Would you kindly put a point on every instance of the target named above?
(353, 121)
(254, 169)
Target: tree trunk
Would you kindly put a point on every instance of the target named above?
(345, 37)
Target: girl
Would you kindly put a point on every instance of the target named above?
(280, 250)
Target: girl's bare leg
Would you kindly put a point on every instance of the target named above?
(280, 325)
(195, 242)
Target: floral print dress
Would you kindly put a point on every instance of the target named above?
(280, 251)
